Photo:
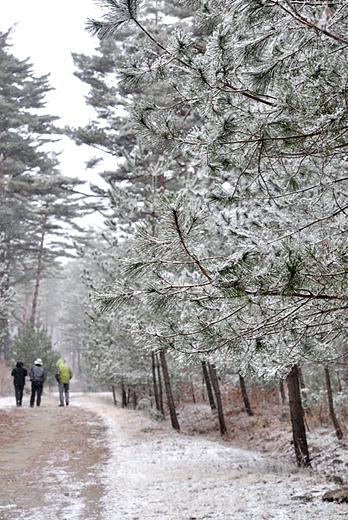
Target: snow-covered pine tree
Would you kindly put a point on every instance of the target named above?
(38, 205)
(252, 258)
(31, 342)
(136, 173)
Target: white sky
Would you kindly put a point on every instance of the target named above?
(46, 33)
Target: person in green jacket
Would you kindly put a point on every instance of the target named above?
(63, 376)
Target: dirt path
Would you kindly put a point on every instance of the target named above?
(93, 461)
(50, 459)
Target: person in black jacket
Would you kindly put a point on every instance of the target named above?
(19, 373)
(37, 377)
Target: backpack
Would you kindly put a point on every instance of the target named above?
(37, 374)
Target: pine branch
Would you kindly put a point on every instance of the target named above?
(293, 12)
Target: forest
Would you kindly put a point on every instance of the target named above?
(220, 133)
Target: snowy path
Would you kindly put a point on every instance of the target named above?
(156, 473)
(153, 472)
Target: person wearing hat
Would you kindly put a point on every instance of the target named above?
(19, 373)
(37, 377)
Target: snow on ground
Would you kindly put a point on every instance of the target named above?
(155, 472)
(167, 475)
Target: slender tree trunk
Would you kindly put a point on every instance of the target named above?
(124, 395)
(4, 299)
(160, 386)
(192, 390)
(208, 385)
(302, 383)
(297, 419)
(38, 278)
(331, 405)
(114, 394)
(171, 405)
(79, 361)
(282, 391)
(154, 381)
(134, 399)
(245, 396)
(26, 309)
(216, 387)
(345, 365)
(203, 389)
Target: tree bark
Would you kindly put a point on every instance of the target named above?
(160, 387)
(114, 394)
(345, 364)
(297, 419)
(134, 398)
(216, 387)
(79, 369)
(245, 396)
(154, 381)
(170, 399)
(302, 383)
(334, 419)
(38, 277)
(124, 395)
(282, 391)
(192, 390)
(4, 295)
(208, 385)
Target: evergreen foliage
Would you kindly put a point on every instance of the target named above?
(38, 205)
(248, 259)
(110, 354)
(32, 342)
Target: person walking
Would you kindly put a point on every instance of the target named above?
(19, 373)
(37, 377)
(63, 376)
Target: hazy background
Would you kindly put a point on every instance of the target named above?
(47, 33)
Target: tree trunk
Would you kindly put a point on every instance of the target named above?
(331, 405)
(245, 396)
(114, 394)
(203, 389)
(208, 385)
(302, 383)
(345, 364)
(38, 278)
(171, 405)
(4, 299)
(26, 309)
(79, 362)
(124, 395)
(160, 387)
(297, 420)
(134, 399)
(282, 391)
(154, 381)
(192, 390)
(216, 387)
(74, 360)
